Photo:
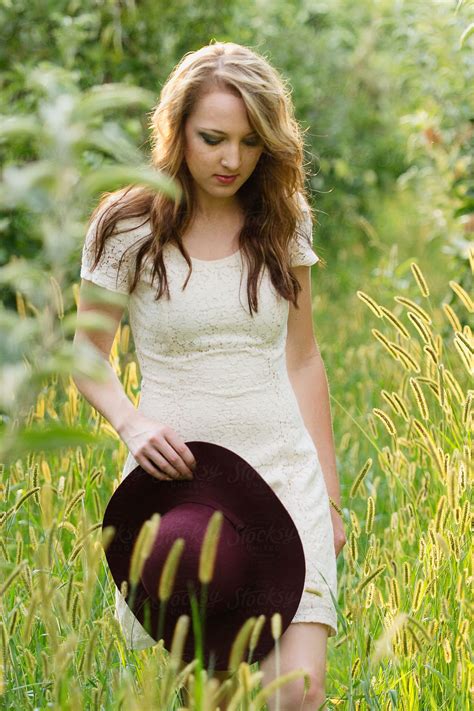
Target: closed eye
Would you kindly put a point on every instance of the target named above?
(214, 141)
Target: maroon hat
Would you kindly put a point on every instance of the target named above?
(259, 565)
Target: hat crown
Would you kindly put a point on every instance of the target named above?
(189, 521)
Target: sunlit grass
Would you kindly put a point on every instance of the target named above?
(405, 575)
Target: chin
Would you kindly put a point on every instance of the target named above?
(217, 190)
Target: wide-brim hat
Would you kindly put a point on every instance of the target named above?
(259, 565)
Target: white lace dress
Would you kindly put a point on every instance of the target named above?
(214, 373)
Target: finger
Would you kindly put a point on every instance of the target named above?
(175, 459)
(150, 468)
(185, 453)
(159, 462)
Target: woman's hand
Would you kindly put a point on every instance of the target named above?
(340, 539)
(158, 449)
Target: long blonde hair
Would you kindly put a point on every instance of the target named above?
(273, 196)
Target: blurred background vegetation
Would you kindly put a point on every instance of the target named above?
(384, 92)
(381, 88)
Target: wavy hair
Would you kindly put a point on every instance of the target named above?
(273, 198)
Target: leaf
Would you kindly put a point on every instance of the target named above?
(467, 33)
(20, 182)
(110, 177)
(94, 293)
(87, 321)
(49, 438)
(111, 96)
(113, 141)
(13, 126)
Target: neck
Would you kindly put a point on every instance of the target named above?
(210, 208)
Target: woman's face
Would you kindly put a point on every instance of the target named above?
(219, 141)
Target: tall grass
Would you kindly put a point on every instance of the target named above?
(404, 580)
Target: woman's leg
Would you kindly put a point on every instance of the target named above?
(221, 676)
(302, 645)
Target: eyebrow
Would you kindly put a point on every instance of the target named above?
(223, 133)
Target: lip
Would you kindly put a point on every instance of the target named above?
(225, 179)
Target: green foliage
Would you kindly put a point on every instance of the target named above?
(382, 90)
(48, 191)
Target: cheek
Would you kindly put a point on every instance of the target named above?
(198, 154)
(253, 160)
(192, 147)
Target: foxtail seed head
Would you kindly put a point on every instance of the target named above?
(256, 632)
(452, 317)
(369, 597)
(373, 305)
(421, 327)
(179, 638)
(396, 323)
(168, 574)
(420, 398)
(370, 514)
(359, 478)
(142, 547)
(420, 279)
(409, 304)
(418, 595)
(240, 643)
(276, 626)
(466, 355)
(402, 407)
(124, 339)
(209, 547)
(390, 427)
(463, 295)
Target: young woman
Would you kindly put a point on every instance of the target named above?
(219, 294)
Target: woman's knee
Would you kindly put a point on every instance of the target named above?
(316, 693)
(309, 690)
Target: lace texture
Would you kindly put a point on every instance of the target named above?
(212, 372)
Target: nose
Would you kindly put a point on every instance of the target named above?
(231, 159)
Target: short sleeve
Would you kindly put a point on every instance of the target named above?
(115, 266)
(301, 247)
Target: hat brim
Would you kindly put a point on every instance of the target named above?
(276, 562)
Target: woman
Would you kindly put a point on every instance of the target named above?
(249, 379)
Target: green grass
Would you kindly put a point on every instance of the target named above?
(403, 637)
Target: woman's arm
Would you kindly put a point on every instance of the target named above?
(106, 397)
(307, 376)
(159, 450)
(310, 385)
